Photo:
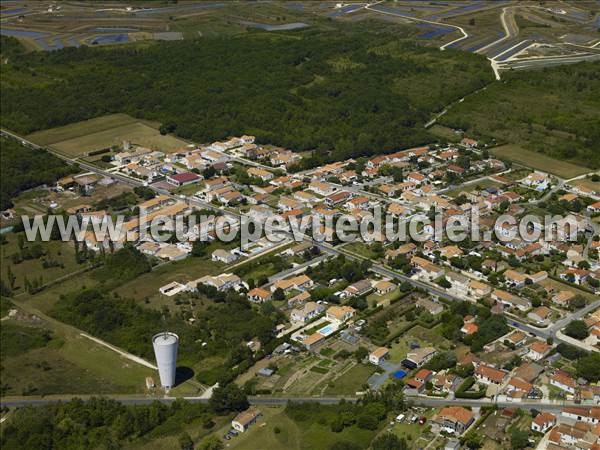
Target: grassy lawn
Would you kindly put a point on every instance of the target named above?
(375, 299)
(78, 129)
(191, 268)
(408, 431)
(194, 428)
(292, 435)
(414, 433)
(445, 133)
(59, 255)
(538, 161)
(103, 132)
(71, 364)
(587, 183)
(360, 248)
(351, 381)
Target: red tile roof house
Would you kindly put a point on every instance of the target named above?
(424, 375)
(490, 375)
(540, 315)
(538, 350)
(543, 422)
(587, 414)
(419, 381)
(454, 419)
(564, 382)
(337, 198)
(414, 386)
(469, 328)
(259, 295)
(183, 179)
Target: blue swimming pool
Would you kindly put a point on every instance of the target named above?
(327, 330)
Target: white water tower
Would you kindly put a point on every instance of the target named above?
(165, 349)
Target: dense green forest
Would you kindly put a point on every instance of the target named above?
(23, 168)
(10, 47)
(345, 93)
(554, 111)
(98, 423)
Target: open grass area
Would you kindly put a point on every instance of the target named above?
(481, 184)
(69, 364)
(361, 248)
(194, 428)
(445, 133)
(79, 129)
(351, 381)
(146, 285)
(587, 183)
(538, 161)
(276, 431)
(81, 138)
(57, 259)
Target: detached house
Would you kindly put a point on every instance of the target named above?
(183, 179)
(259, 295)
(259, 173)
(300, 282)
(540, 315)
(489, 375)
(359, 288)
(306, 313)
(418, 357)
(543, 422)
(340, 314)
(454, 419)
(245, 419)
(378, 355)
(508, 299)
(564, 382)
(337, 198)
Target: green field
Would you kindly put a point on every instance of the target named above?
(351, 381)
(539, 161)
(103, 132)
(61, 256)
(587, 183)
(68, 364)
(445, 133)
(292, 435)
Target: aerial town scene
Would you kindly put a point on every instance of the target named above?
(312, 225)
